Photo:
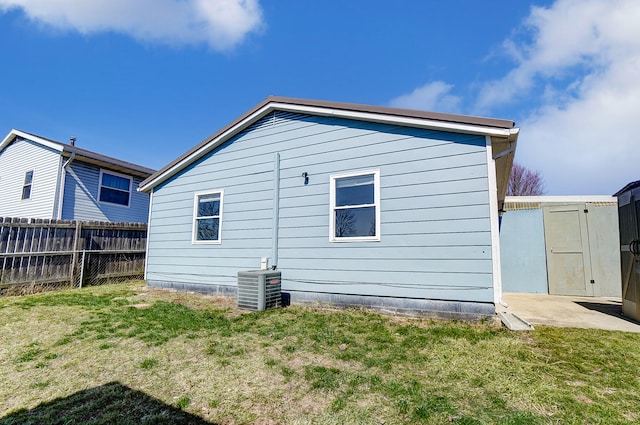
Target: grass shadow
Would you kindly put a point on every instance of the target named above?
(111, 403)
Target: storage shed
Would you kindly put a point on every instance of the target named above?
(354, 204)
(561, 245)
(629, 216)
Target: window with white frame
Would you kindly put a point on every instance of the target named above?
(115, 188)
(207, 217)
(355, 207)
(26, 187)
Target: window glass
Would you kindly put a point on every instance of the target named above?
(114, 189)
(207, 217)
(354, 207)
(26, 188)
(114, 196)
(115, 182)
(209, 205)
(352, 222)
(355, 190)
(208, 229)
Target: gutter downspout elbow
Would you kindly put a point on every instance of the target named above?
(62, 183)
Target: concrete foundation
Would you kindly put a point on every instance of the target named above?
(446, 309)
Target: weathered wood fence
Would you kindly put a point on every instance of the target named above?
(38, 254)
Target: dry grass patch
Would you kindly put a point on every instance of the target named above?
(128, 354)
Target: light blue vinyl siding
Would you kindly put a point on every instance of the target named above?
(15, 160)
(81, 198)
(435, 227)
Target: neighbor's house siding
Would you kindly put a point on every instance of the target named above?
(15, 160)
(81, 201)
(435, 226)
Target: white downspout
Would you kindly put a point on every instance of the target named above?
(62, 183)
(146, 254)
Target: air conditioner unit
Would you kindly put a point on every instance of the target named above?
(259, 289)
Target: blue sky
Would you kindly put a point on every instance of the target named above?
(145, 80)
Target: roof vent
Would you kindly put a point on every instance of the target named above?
(72, 140)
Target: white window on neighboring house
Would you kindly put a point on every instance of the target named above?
(115, 188)
(355, 207)
(26, 187)
(207, 217)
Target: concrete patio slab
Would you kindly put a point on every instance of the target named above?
(569, 311)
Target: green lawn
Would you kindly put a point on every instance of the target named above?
(127, 354)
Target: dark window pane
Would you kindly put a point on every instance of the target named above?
(355, 190)
(115, 182)
(354, 222)
(207, 229)
(209, 205)
(28, 177)
(114, 196)
(26, 192)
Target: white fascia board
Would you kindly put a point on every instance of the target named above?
(399, 120)
(507, 133)
(17, 133)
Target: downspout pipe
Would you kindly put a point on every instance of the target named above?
(62, 183)
(276, 210)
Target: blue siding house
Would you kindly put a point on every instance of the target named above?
(356, 205)
(42, 178)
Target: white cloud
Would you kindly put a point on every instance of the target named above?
(583, 65)
(222, 24)
(575, 86)
(590, 145)
(433, 96)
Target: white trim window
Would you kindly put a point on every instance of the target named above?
(355, 207)
(26, 187)
(115, 188)
(207, 217)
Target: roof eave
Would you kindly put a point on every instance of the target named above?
(81, 154)
(13, 134)
(501, 129)
(108, 162)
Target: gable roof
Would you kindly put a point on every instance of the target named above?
(504, 130)
(80, 154)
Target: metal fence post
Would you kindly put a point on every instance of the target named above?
(82, 266)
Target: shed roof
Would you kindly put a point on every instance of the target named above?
(513, 203)
(629, 186)
(503, 130)
(84, 155)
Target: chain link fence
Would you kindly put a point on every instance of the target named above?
(42, 255)
(39, 272)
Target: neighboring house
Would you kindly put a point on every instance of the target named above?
(42, 178)
(561, 245)
(358, 205)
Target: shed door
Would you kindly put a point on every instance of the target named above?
(567, 246)
(629, 215)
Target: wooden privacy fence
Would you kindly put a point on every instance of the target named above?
(40, 254)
